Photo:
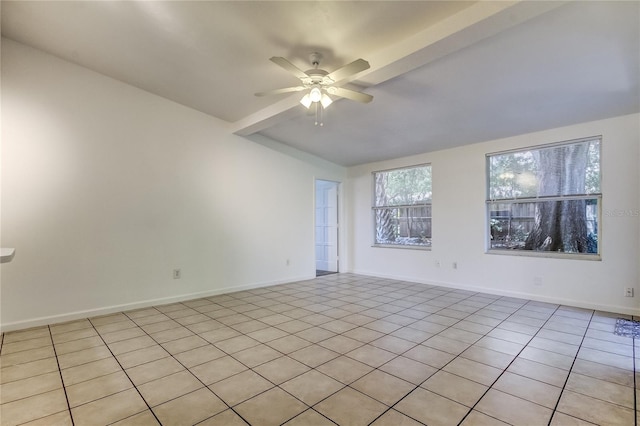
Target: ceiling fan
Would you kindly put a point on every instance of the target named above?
(319, 83)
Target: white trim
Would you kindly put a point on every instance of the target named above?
(517, 294)
(55, 319)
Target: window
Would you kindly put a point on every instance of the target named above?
(546, 199)
(402, 207)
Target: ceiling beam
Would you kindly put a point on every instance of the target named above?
(465, 28)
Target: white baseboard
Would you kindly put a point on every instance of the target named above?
(71, 316)
(521, 295)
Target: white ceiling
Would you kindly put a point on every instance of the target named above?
(442, 74)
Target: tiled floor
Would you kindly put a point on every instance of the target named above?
(343, 349)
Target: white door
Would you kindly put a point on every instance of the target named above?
(326, 226)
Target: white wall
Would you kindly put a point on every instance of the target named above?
(106, 189)
(459, 189)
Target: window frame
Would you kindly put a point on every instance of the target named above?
(374, 208)
(534, 199)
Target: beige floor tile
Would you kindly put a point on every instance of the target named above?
(84, 356)
(554, 346)
(604, 372)
(487, 356)
(561, 419)
(91, 370)
(344, 369)
(220, 334)
(430, 408)
(294, 326)
(350, 407)
(383, 387)
(161, 326)
(459, 389)
(249, 326)
(153, 370)
(510, 336)
(78, 345)
(70, 326)
(205, 326)
(257, 355)
(412, 371)
(97, 388)
(62, 418)
(513, 410)
(315, 334)
(312, 387)
(140, 356)
(182, 345)
(272, 407)
(108, 319)
(600, 389)
(28, 369)
(129, 345)
(173, 334)
(145, 418)
(594, 410)
(23, 345)
(548, 358)
(226, 418)
(33, 407)
(26, 356)
(499, 345)
(309, 418)
(476, 418)
(606, 358)
(461, 335)
(190, 409)
(74, 335)
(394, 418)
(314, 355)
(430, 356)
(236, 344)
(537, 371)
(288, 344)
(371, 355)
(481, 373)
(217, 369)
(30, 386)
(446, 345)
(169, 387)
(117, 336)
(364, 335)
(529, 389)
(31, 333)
(109, 409)
(150, 319)
(281, 369)
(341, 344)
(115, 326)
(198, 356)
(236, 389)
(267, 334)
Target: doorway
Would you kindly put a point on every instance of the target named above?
(326, 227)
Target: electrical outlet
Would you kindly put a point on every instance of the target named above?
(628, 292)
(454, 265)
(177, 274)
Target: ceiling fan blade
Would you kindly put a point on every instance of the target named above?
(279, 60)
(278, 91)
(348, 70)
(350, 94)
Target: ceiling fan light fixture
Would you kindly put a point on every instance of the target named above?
(325, 101)
(315, 94)
(306, 101)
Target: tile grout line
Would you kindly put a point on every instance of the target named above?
(187, 369)
(64, 388)
(456, 356)
(572, 364)
(125, 373)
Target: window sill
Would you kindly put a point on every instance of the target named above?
(545, 254)
(399, 246)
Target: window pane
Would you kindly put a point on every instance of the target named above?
(513, 226)
(569, 169)
(398, 187)
(404, 226)
(402, 206)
